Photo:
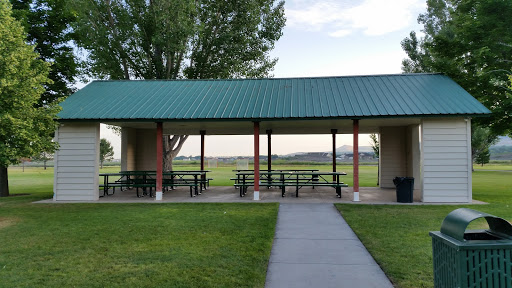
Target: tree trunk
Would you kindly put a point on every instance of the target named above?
(378, 174)
(172, 146)
(44, 164)
(4, 183)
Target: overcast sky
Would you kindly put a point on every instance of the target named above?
(324, 38)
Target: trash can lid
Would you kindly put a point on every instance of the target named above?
(456, 222)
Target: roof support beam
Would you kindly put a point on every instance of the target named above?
(356, 159)
(256, 160)
(159, 160)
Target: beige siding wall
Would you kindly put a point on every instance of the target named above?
(77, 162)
(446, 163)
(145, 155)
(393, 157)
(128, 149)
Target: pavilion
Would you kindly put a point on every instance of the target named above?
(423, 122)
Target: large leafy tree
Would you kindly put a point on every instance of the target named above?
(470, 41)
(25, 127)
(48, 26)
(165, 39)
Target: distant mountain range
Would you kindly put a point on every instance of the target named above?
(504, 141)
(340, 150)
(349, 149)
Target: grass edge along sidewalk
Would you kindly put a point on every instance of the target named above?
(397, 235)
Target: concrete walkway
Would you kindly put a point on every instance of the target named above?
(314, 247)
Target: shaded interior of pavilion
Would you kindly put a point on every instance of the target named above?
(399, 149)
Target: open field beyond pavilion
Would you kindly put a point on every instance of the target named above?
(199, 244)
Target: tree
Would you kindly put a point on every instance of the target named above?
(25, 127)
(48, 26)
(471, 42)
(165, 39)
(43, 157)
(481, 141)
(374, 142)
(483, 157)
(106, 151)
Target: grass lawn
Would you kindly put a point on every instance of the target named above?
(397, 236)
(179, 245)
(129, 245)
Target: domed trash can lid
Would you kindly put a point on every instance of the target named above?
(456, 222)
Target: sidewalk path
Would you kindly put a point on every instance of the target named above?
(315, 247)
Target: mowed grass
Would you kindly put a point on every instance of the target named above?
(184, 245)
(397, 235)
(129, 245)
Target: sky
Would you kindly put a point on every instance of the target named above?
(323, 38)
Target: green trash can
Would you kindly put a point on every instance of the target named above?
(472, 258)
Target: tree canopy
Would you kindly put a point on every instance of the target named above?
(471, 42)
(25, 128)
(47, 25)
(165, 39)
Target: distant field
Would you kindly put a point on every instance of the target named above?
(44, 178)
(494, 166)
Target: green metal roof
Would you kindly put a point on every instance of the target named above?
(259, 99)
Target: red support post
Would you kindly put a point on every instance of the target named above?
(356, 160)
(159, 159)
(202, 132)
(269, 159)
(334, 131)
(203, 176)
(256, 160)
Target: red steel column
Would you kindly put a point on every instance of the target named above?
(203, 132)
(356, 160)
(159, 159)
(334, 131)
(256, 160)
(269, 140)
(203, 177)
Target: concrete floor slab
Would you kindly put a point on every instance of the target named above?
(228, 194)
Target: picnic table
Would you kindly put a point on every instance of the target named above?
(196, 180)
(267, 175)
(297, 179)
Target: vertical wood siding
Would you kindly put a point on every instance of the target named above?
(446, 163)
(77, 162)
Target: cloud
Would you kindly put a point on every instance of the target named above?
(341, 18)
(340, 33)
